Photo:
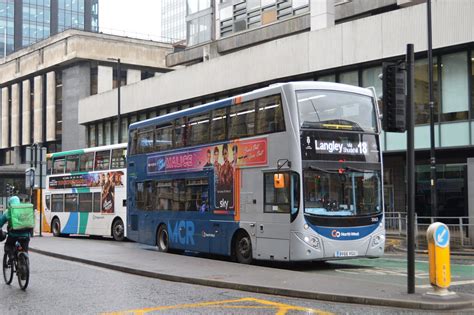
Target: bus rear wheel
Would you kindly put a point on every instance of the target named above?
(118, 230)
(162, 239)
(243, 248)
(56, 227)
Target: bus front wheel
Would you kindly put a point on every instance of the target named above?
(118, 230)
(162, 239)
(243, 248)
(56, 227)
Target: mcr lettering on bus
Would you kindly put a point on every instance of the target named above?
(182, 232)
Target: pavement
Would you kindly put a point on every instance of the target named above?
(146, 261)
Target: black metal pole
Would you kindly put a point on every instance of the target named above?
(434, 202)
(410, 67)
(119, 119)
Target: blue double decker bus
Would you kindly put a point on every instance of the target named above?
(290, 172)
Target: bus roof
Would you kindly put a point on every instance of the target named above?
(86, 150)
(298, 85)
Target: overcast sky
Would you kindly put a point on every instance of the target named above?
(137, 18)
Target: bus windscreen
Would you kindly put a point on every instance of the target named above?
(347, 193)
(321, 109)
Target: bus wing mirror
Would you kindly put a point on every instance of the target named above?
(279, 180)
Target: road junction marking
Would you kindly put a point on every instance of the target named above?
(279, 308)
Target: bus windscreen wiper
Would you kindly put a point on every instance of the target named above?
(313, 168)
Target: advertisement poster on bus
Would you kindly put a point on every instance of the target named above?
(225, 159)
(107, 181)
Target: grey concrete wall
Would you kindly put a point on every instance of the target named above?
(133, 76)
(26, 116)
(5, 123)
(372, 38)
(104, 79)
(51, 106)
(72, 45)
(76, 85)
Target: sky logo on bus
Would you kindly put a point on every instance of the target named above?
(161, 164)
(182, 233)
(338, 234)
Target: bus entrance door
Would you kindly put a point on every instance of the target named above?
(273, 223)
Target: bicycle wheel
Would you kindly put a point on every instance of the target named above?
(7, 270)
(23, 270)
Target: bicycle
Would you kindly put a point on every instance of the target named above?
(19, 264)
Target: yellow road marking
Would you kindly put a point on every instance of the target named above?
(281, 308)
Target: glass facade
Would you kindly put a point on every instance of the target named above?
(199, 21)
(7, 10)
(70, 14)
(39, 19)
(36, 20)
(173, 20)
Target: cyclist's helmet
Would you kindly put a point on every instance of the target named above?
(14, 200)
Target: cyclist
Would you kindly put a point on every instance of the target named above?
(23, 235)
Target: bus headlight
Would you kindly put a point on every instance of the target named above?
(377, 240)
(311, 240)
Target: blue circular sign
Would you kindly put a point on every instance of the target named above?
(441, 236)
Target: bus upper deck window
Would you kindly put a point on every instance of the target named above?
(270, 115)
(72, 163)
(58, 166)
(164, 137)
(134, 140)
(118, 158)
(102, 160)
(86, 162)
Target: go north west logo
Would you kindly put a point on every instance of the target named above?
(338, 234)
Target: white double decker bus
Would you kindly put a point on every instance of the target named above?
(86, 192)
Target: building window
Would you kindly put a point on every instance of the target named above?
(451, 185)
(327, 78)
(92, 137)
(123, 78)
(454, 87)
(94, 78)
(351, 78)
(108, 133)
(422, 93)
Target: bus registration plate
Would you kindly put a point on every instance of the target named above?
(346, 253)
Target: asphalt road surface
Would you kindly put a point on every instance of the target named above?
(63, 287)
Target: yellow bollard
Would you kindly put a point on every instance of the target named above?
(439, 259)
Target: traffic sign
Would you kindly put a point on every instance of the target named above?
(441, 235)
(439, 258)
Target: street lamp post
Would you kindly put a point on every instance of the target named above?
(434, 203)
(119, 83)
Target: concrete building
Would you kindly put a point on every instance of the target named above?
(42, 85)
(343, 41)
(23, 22)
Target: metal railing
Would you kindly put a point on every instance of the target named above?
(461, 228)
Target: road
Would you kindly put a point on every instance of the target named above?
(63, 287)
